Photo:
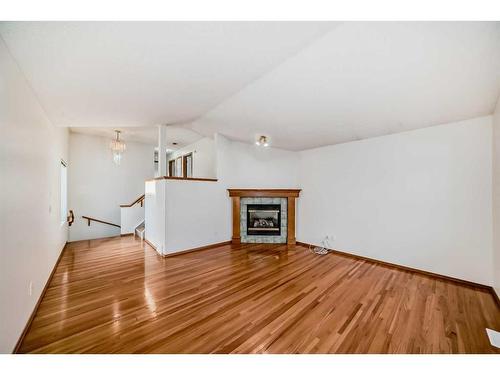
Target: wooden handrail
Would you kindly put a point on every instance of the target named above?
(89, 219)
(182, 178)
(140, 199)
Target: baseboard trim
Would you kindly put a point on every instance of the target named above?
(126, 234)
(206, 247)
(150, 244)
(35, 309)
(406, 268)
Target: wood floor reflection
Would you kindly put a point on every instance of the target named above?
(116, 296)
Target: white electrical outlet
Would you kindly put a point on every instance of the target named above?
(31, 288)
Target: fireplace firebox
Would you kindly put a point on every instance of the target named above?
(264, 219)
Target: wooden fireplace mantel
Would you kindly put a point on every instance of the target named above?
(290, 194)
(267, 193)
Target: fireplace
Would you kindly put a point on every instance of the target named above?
(264, 219)
(255, 209)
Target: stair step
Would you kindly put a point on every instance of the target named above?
(140, 230)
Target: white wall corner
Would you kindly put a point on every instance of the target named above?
(496, 196)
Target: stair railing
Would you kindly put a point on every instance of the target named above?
(89, 219)
(138, 200)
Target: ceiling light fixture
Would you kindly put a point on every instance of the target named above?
(117, 147)
(262, 141)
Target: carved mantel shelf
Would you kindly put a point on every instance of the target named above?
(290, 194)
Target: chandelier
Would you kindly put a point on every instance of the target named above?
(117, 148)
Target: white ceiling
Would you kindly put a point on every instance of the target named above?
(366, 79)
(145, 73)
(175, 134)
(303, 84)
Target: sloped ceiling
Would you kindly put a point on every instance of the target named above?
(303, 84)
(366, 79)
(145, 73)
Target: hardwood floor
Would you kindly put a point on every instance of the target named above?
(114, 296)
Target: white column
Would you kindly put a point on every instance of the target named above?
(162, 150)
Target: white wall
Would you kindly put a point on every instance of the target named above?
(240, 165)
(203, 157)
(421, 199)
(97, 186)
(155, 216)
(31, 234)
(496, 198)
(197, 214)
(130, 218)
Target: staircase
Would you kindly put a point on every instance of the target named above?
(131, 218)
(139, 231)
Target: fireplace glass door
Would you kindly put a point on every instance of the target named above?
(264, 219)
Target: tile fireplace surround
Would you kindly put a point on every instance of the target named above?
(243, 197)
(245, 238)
